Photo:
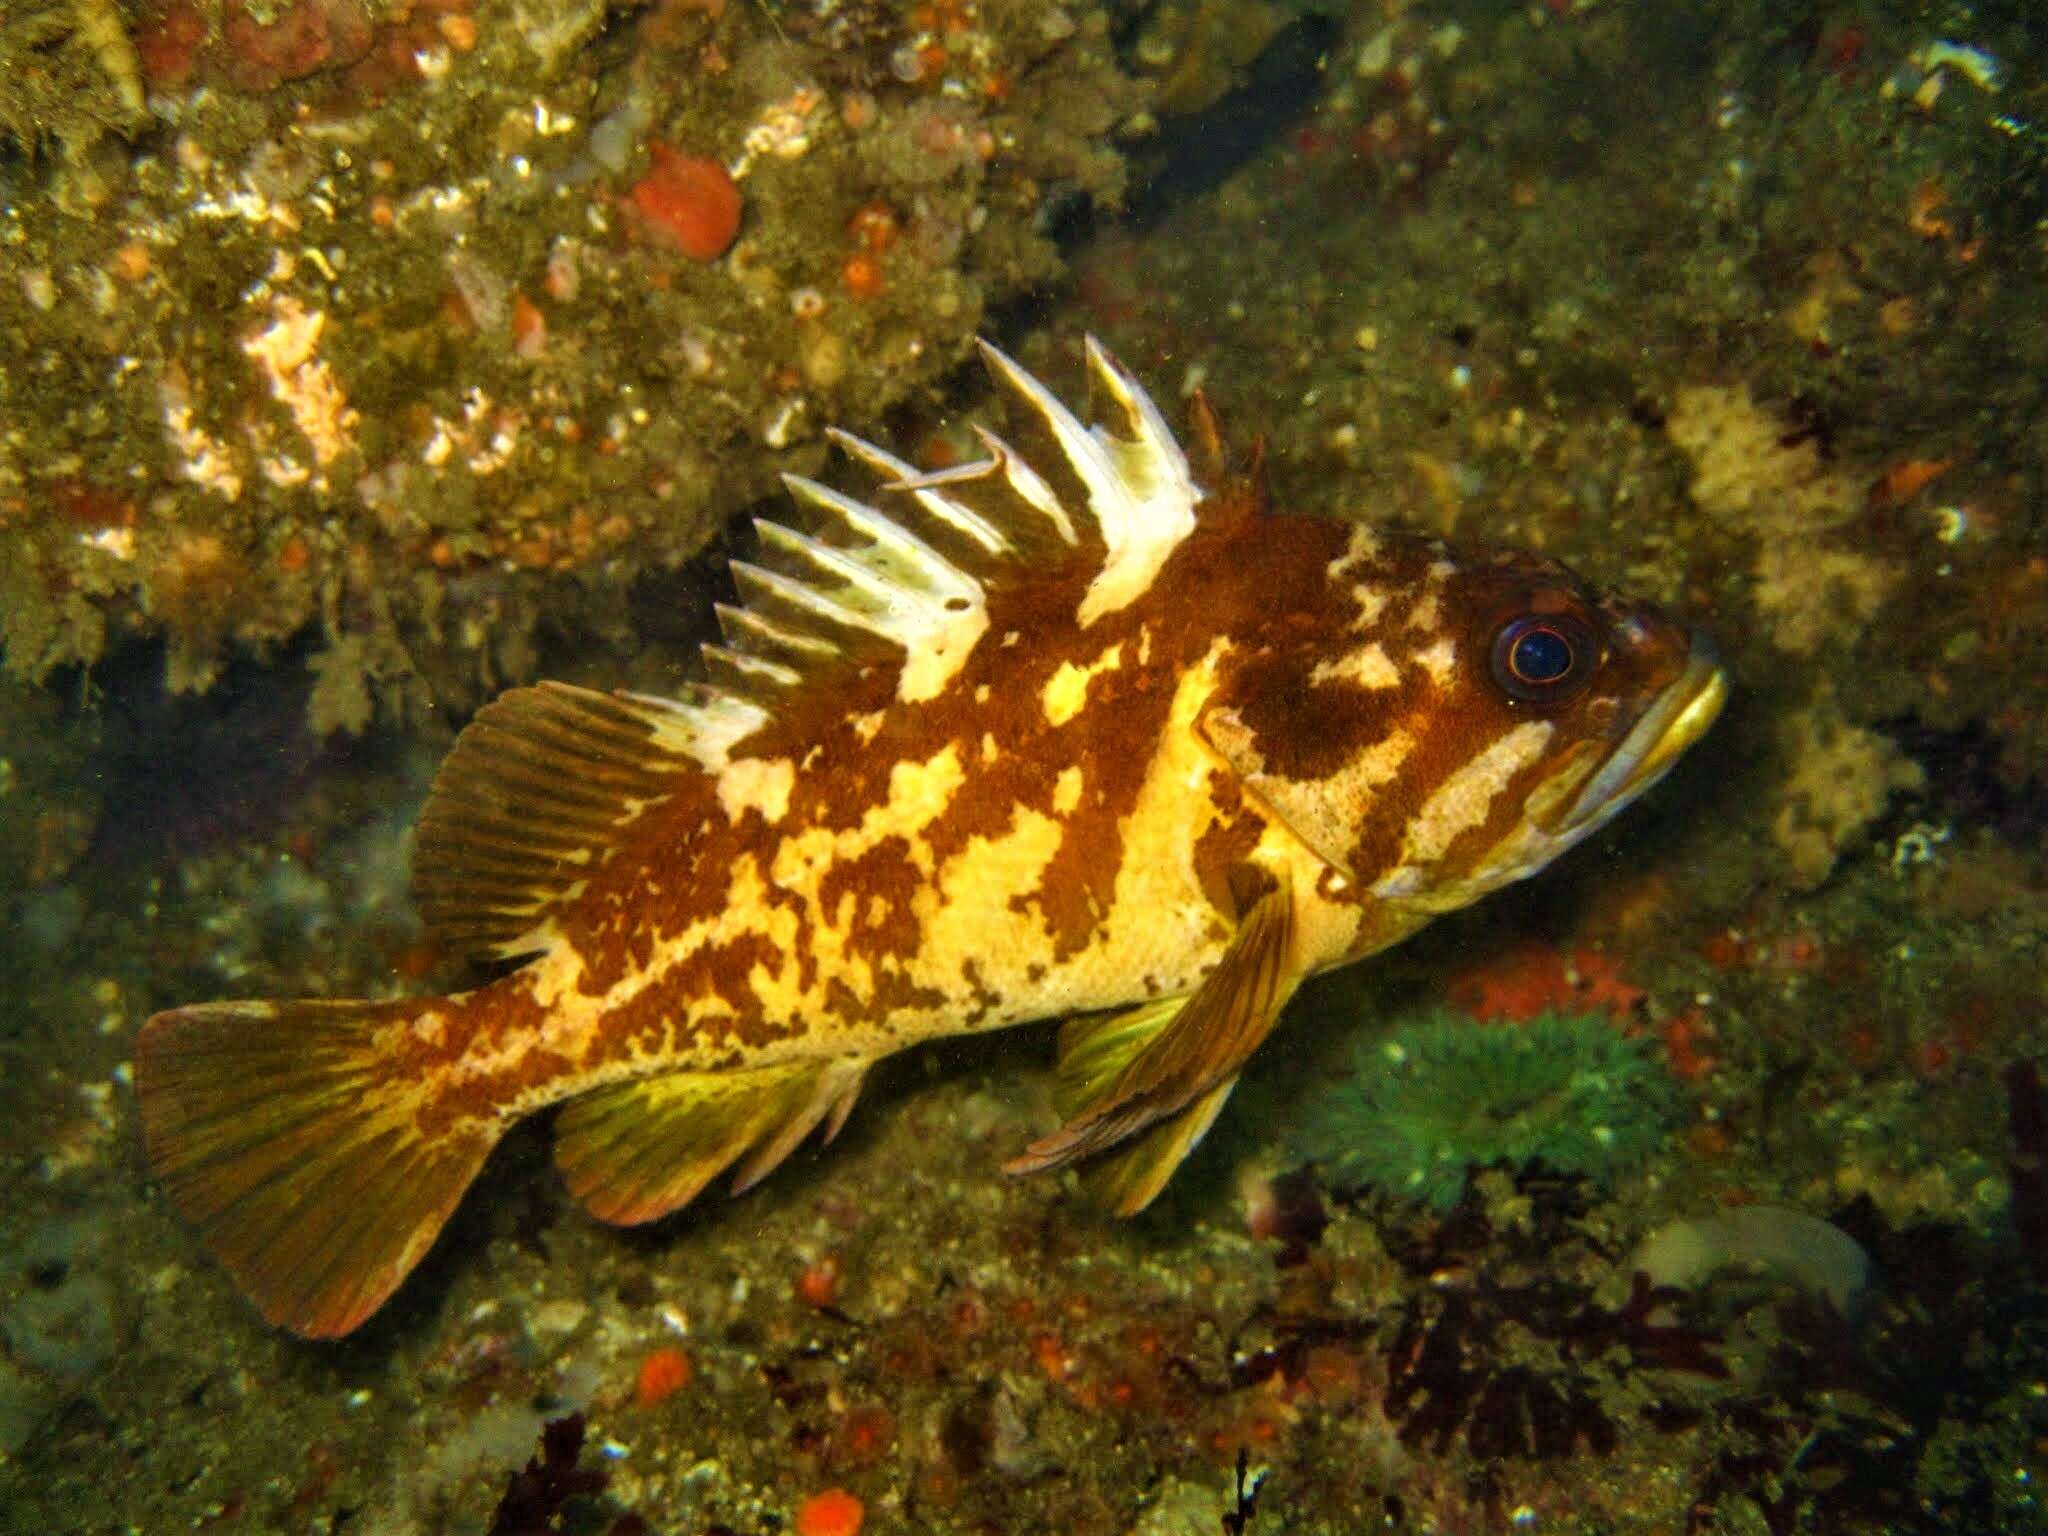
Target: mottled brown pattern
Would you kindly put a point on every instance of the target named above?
(896, 993)
(1446, 737)
(985, 1001)
(851, 889)
(1307, 730)
(443, 1031)
(646, 1025)
(1057, 766)
(1111, 740)
(673, 863)
(1470, 847)
(479, 1097)
(1222, 849)
(841, 1001)
(655, 879)
(1261, 581)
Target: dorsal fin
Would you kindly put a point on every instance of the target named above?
(534, 794)
(1207, 433)
(907, 578)
(540, 787)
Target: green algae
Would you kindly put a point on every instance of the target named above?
(68, 76)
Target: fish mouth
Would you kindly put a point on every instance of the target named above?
(1676, 718)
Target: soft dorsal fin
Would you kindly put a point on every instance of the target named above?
(536, 792)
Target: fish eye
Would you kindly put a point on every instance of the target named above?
(1539, 655)
(1543, 657)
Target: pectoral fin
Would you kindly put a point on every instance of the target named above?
(1172, 1061)
(1131, 1177)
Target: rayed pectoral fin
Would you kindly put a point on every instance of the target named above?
(634, 1152)
(1131, 1177)
(1164, 1068)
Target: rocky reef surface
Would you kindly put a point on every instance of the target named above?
(361, 357)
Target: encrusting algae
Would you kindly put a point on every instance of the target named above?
(1079, 729)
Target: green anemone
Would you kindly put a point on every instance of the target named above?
(1443, 1094)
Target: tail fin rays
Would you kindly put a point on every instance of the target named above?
(276, 1136)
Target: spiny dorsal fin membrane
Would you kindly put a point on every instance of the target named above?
(907, 578)
(536, 792)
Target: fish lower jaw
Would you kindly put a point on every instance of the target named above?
(1679, 716)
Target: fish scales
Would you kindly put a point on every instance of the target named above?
(1054, 858)
(1080, 731)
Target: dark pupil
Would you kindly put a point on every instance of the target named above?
(1540, 656)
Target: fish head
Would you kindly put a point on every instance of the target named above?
(1456, 720)
(1568, 703)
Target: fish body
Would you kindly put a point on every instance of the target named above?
(1081, 730)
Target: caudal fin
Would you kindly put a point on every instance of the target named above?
(276, 1135)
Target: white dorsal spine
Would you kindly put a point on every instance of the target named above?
(757, 635)
(704, 723)
(901, 476)
(1027, 482)
(1159, 494)
(863, 571)
(754, 672)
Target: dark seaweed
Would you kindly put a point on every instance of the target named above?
(543, 1498)
(2029, 1169)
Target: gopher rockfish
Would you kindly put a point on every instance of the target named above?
(1080, 729)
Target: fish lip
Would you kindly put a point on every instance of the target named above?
(1676, 719)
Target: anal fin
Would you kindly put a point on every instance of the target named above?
(636, 1151)
(1164, 1068)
